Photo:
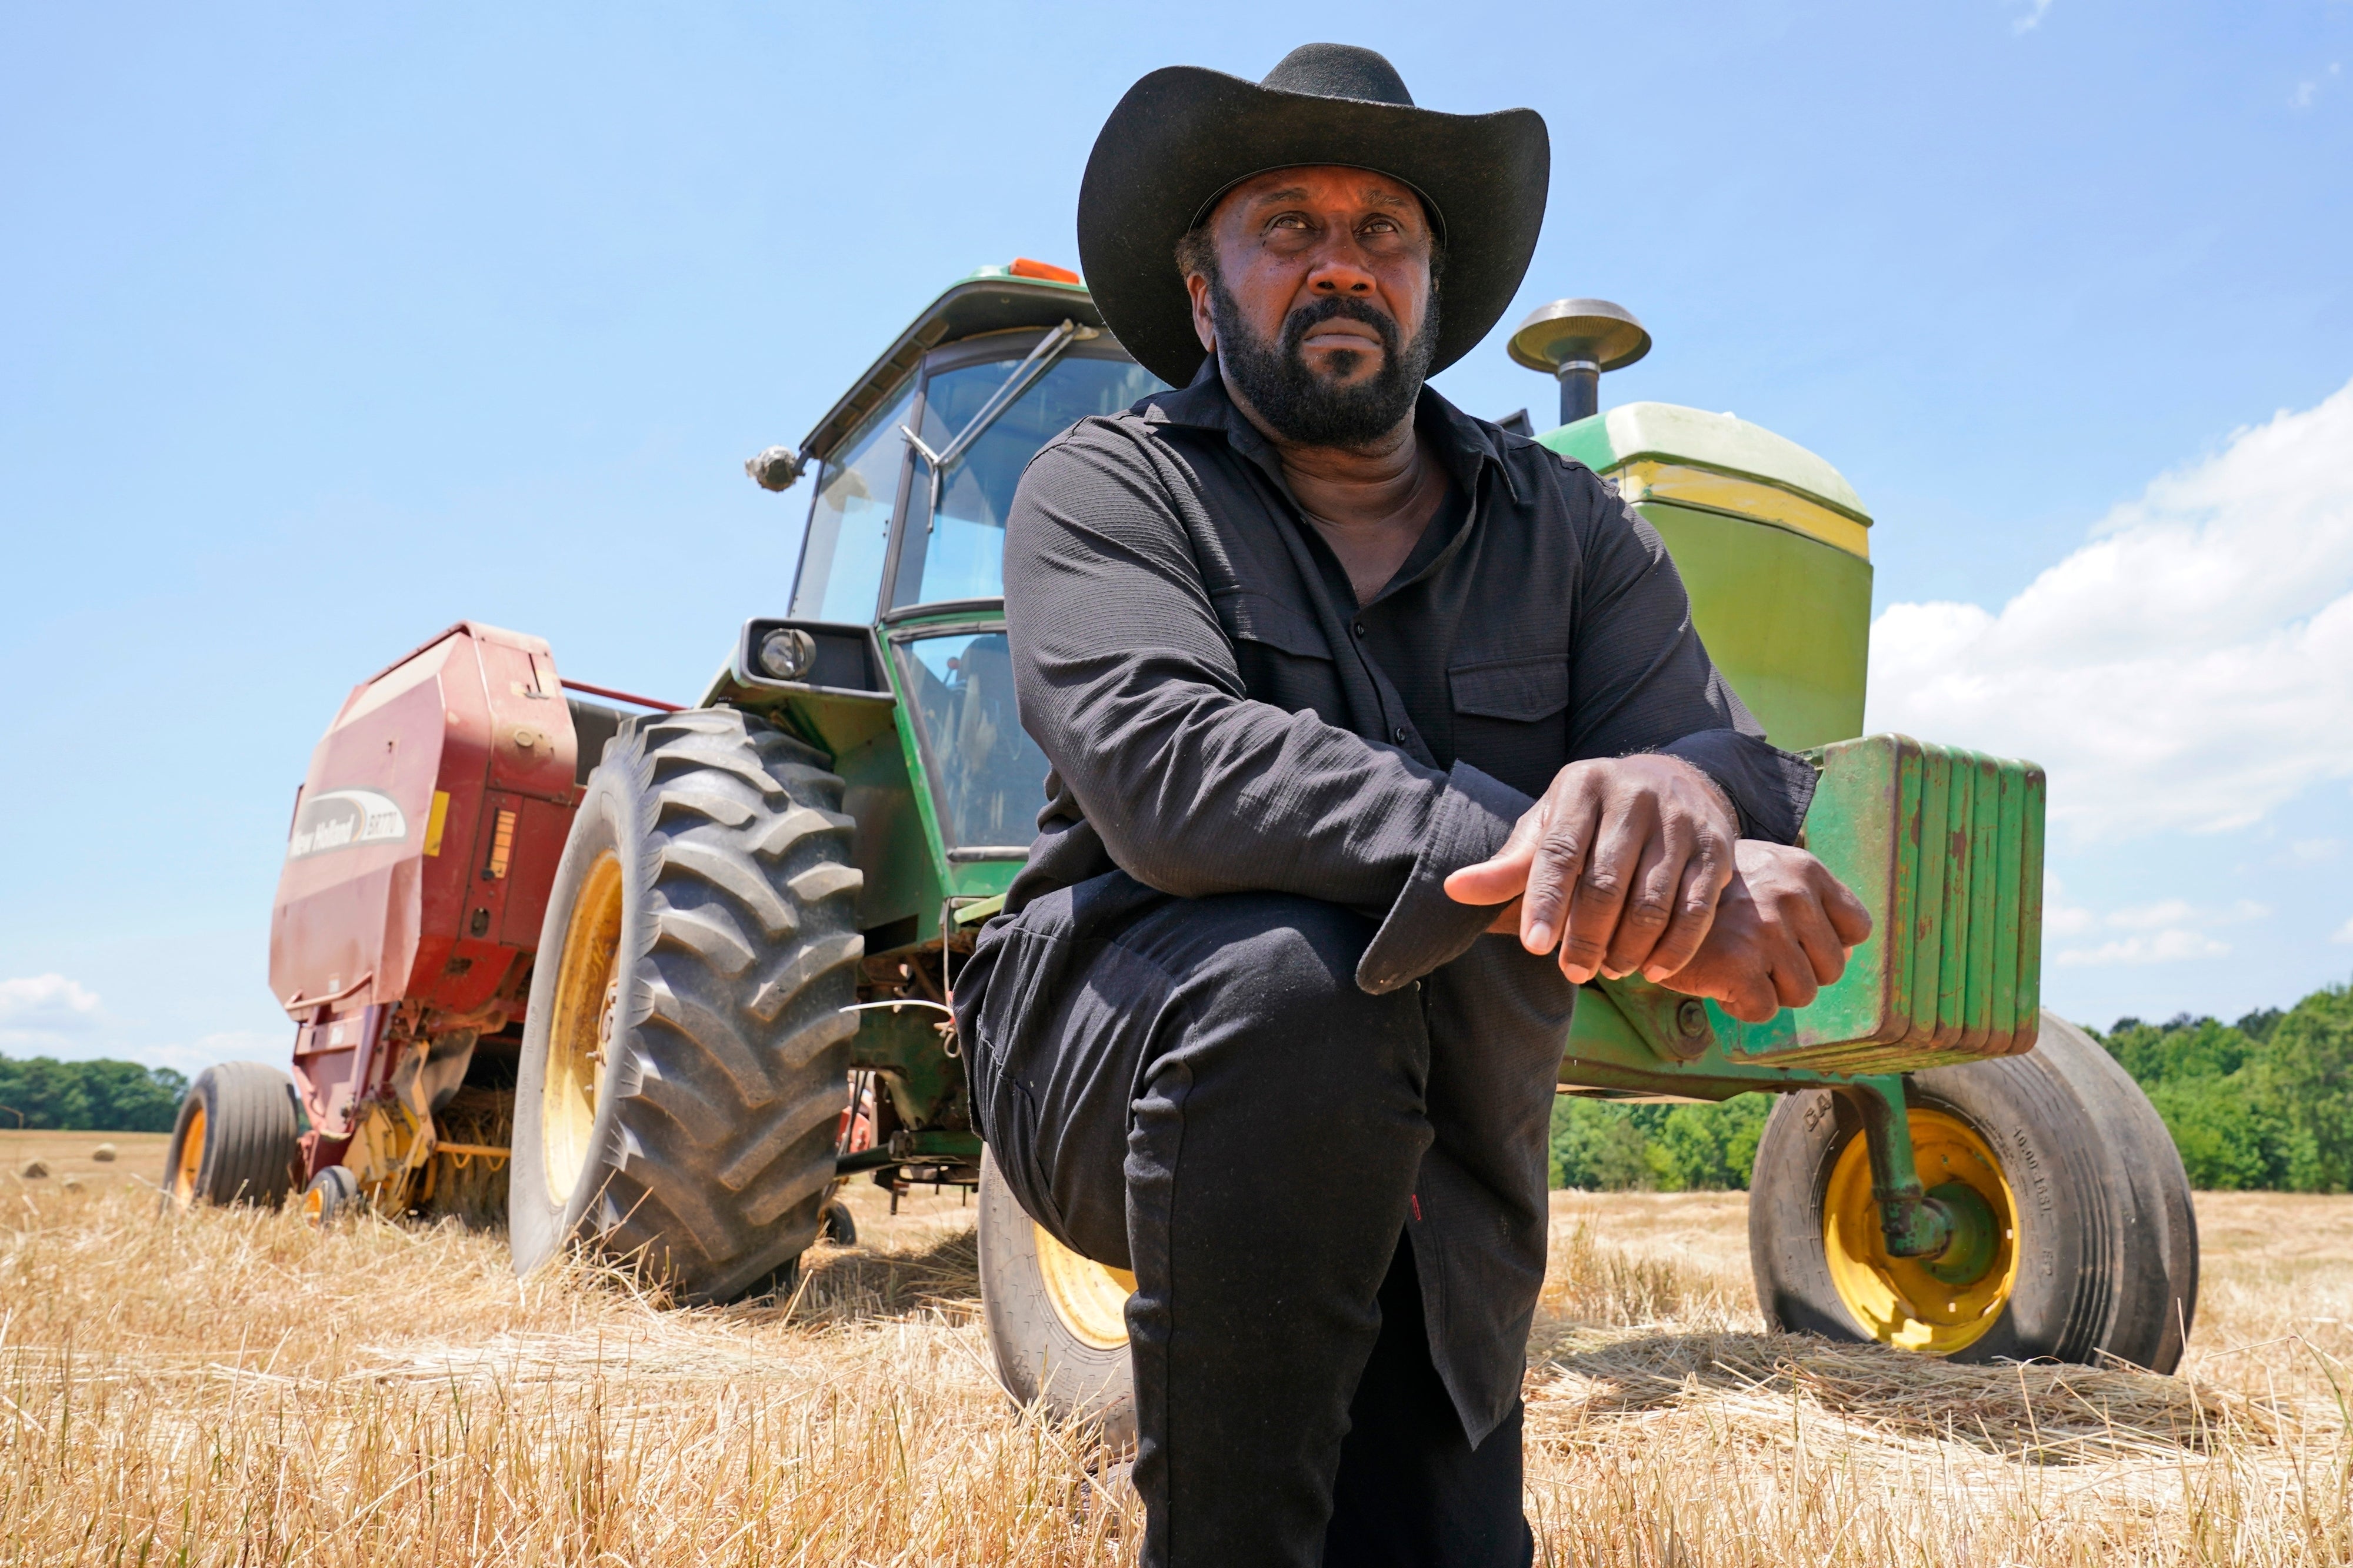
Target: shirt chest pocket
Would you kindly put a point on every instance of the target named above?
(1282, 654)
(1510, 717)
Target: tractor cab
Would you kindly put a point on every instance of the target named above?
(893, 660)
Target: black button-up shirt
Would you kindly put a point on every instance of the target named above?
(1221, 716)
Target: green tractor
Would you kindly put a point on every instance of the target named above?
(759, 911)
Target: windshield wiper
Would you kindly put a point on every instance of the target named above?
(1025, 374)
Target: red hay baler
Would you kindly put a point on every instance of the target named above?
(404, 958)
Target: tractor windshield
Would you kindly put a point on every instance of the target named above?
(850, 525)
(960, 553)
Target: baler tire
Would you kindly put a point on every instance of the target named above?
(838, 1225)
(698, 1146)
(235, 1140)
(1043, 1359)
(2100, 1245)
(332, 1193)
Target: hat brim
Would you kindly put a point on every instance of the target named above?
(1183, 135)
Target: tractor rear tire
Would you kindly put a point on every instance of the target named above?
(685, 1059)
(236, 1139)
(2094, 1254)
(1054, 1319)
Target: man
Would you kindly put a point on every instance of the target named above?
(1375, 731)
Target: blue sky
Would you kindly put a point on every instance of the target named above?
(323, 326)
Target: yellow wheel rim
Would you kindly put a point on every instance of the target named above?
(580, 1034)
(191, 1158)
(1899, 1300)
(1089, 1298)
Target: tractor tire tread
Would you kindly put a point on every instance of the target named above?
(732, 1049)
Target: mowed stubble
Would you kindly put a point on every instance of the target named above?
(230, 1386)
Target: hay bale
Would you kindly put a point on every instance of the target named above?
(71, 1183)
(32, 1170)
(104, 1153)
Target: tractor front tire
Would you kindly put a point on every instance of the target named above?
(685, 1060)
(2090, 1249)
(1055, 1321)
(235, 1140)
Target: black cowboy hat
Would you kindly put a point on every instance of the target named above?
(1184, 136)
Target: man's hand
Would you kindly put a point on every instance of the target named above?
(1620, 863)
(1783, 930)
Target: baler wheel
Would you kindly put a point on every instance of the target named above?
(839, 1225)
(2077, 1240)
(235, 1140)
(331, 1193)
(1056, 1321)
(685, 1059)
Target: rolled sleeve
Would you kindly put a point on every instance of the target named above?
(1424, 928)
(1769, 788)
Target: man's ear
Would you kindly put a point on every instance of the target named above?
(1205, 322)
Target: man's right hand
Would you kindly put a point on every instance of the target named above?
(1784, 927)
(1618, 865)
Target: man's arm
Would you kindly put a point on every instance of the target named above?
(1128, 684)
(1625, 861)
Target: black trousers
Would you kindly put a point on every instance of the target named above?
(1198, 1091)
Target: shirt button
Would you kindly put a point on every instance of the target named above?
(1360, 629)
(1400, 734)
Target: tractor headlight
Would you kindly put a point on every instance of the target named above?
(787, 653)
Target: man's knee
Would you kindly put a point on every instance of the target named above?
(1281, 1001)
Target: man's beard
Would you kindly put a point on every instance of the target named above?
(1305, 407)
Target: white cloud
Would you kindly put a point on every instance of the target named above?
(2180, 911)
(234, 1045)
(2171, 931)
(2191, 667)
(2060, 918)
(2344, 932)
(2033, 17)
(2158, 947)
(39, 1009)
(2305, 92)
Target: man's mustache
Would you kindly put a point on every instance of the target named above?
(1308, 317)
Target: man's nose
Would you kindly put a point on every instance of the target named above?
(1339, 274)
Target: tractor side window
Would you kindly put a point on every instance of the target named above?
(962, 554)
(987, 774)
(850, 525)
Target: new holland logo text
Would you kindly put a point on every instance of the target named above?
(340, 818)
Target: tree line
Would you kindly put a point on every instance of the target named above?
(39, 1092)
(2264, 1103)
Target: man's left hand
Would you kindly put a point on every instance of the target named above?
(1783, 930)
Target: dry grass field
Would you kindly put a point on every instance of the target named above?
(233, 1387)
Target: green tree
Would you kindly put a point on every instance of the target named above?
(1598, 1145)
(95, 1096)
(1709, 1148)
(2306, 1074)
(2184, 1048)
(2225, 1129)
